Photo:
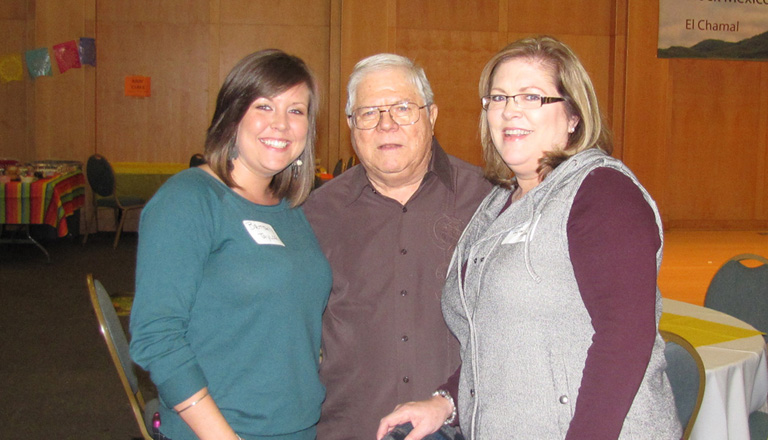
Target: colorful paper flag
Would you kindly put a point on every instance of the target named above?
(67, 56)
(38, 62)
(10, 68)
(88, 51)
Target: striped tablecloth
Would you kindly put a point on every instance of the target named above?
(45, 201)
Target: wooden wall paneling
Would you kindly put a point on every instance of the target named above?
(452, 41)
(14, 142)
(170, 125)
(448, 15)
(60, 101)
(586, 17)
(618, 77)
(686, 127)
(153, 11)
(645, 116)
(761, 205)
(214, 61)
(89, 114)
(29, 40)
(364, 31)
(453, 61)
(335, 95)
(239, 40)
(298, 13)
(13, 10)
(713, 153)
(89, 73)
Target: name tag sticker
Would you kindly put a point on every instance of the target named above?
(517, 235)
(262, 233)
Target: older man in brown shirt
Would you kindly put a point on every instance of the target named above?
(388, 228)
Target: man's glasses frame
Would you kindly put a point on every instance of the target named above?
(402, 113)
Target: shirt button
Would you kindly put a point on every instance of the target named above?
(403, 292)
(563, 399)
(404, 338)
(405, 209)
(475, 260)
(406, 379)
(403, 251)
(472, 392)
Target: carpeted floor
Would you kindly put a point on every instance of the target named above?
(56, 377)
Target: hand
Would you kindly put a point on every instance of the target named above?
(426, 416)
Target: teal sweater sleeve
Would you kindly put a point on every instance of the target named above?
(175, 240)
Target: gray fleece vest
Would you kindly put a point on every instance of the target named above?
(523, 353)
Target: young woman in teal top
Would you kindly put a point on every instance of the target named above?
(230, 282)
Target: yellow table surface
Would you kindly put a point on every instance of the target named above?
(148, 168)
(700, 332)
(142, 179)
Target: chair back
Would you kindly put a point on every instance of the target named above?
(339, 168)
(741, 291)
(100, 175)
(117, 343)
(686, 374)
(758, 425)
(196, 160)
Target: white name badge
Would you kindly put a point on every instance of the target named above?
(517, 235)
(262, 233)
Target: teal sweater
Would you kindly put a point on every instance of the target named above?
(230, 295)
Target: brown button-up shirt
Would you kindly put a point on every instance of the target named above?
(384, 338)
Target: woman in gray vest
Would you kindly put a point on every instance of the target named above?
(552, 289)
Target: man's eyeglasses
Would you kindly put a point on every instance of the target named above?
(404, 113)
(523, 100)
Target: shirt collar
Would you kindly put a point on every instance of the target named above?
(439, 166)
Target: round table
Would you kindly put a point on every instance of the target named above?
(736, 373)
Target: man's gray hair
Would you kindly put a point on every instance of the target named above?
(385, 61)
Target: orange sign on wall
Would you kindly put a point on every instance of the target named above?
(138, 86)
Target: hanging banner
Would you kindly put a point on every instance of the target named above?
(87, 49)
(38, 62)
(67, 56)
(717, 29)
(10, 68)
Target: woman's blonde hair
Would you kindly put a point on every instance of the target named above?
(573, 84)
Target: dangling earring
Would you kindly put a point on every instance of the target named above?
(234, 152)
(296, 165)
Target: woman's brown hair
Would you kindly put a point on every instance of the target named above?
(266, 73)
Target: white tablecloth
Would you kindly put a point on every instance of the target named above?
(737, 377)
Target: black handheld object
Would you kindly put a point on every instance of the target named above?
(445, 433)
